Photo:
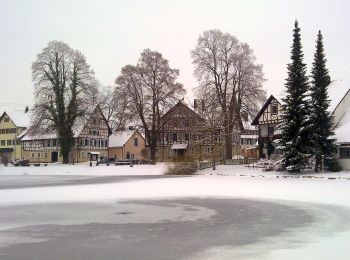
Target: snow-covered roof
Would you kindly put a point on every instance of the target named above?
(249, 136)
(339, 93)
(247, 125)
(336, 91)
(28, 137)
(178, 146)
(119, 138)
(342, 128)
(20, 119)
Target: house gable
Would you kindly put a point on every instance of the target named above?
(178, 114)
(269, 113)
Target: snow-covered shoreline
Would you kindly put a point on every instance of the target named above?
(84, 169)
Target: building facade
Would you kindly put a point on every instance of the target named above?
(182, 136)
(90, 135)
(12, 125)
(267, 120)
(126, 145)
(341, 117)
(249, 142)
(186, 135)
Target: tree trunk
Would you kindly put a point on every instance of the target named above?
(66, 144)
(317, 163)
(153, 148)
(228, 139)
(228, 145)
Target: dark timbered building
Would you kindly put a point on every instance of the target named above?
(267, 120)
(184, 136)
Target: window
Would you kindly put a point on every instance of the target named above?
(3, 142)
(136, 142)
(274, 109)
(186, 123)
(174, 136)
(33, 155)
(271, 131)
(39, 155)
(128, 155)
(13, 142)
(86, 142)
(9, 142)
(132, 156)
(170, 137)
(345, 152)
(6, 119)
(187, 137)
(46, 155)
(54, 142)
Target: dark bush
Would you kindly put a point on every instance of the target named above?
(333, 165)
(181, 168)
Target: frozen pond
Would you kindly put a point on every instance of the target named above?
(203, 228)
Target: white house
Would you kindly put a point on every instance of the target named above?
(341, 115)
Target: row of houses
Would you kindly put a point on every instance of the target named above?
(182, 137)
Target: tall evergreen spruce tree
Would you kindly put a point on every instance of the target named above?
(295, 133)
(321, 119)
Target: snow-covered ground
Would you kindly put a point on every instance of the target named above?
(329, 239)
(84, 169)
(250, 171)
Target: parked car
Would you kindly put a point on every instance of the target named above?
(20, 162)
(107, 160)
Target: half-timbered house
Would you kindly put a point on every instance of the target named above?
(267, 120)
(183, 136)
(90, 134)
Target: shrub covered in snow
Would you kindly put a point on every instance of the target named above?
(181, 168)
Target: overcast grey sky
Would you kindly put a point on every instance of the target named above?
(113, 33)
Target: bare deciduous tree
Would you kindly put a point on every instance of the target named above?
(227, 68)
(65, 92)
(151, 88)
(115, 107)
(210, 129)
